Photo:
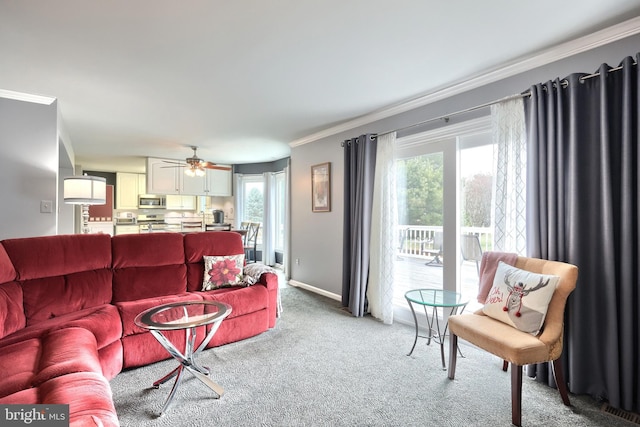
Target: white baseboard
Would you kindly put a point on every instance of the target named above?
(400, 314)
(315, 290)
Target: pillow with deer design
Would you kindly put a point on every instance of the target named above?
(520, 298)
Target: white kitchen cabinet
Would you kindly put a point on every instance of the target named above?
(193, 185)
(162, 178)
(127, 190)
(128, 187)
(218, 182)
(203, 204)
(181, 202)
(189, 202)
(142, 184)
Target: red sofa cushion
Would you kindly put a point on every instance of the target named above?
(49, 256)
(147, 250)
(65, 351)
(18, 363)
(61, 274)
(29, 363)
(88, 395)
(12, 316)
(154, 262)
(212, 243)
(241, 327)
(22, 397)
(7, 272)
(103, 322)
(130, 309)
(242, 300)
(139, 347)
(51, 297)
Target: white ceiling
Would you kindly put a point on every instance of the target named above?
(242, 79)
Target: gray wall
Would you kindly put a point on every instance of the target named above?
(28, 168)
(66, 213)
(316, 238)
(259, 168)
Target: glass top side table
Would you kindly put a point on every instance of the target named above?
(187, 316)
(434, 299)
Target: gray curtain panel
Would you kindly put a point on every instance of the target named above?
(359, 168)
(583, 188)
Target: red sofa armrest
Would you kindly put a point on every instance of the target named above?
(270, 280)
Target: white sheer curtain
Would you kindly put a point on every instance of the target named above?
(286, 261)
(238, 200)
(510, 184)
(269, 219)
(384, 220)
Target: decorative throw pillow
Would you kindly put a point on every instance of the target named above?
(520, 298)
(222, 271)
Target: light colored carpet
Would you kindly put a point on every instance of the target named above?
(322, 367)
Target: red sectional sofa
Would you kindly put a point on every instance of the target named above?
(67, 305)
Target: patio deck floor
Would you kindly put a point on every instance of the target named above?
(411, 272)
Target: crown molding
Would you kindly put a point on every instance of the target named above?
(553, 54)
(19, 96)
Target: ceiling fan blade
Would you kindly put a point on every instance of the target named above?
(173, 166)
(209, 165)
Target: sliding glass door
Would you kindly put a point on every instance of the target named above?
(420, 223)
(444, 210)
(425, 186)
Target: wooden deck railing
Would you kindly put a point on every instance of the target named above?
(415, 239)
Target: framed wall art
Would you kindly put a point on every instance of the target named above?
(321, 187)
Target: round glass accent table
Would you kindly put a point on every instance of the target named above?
(431, 300)
(187, 316)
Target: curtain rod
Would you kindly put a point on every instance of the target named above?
(446, 117)
(597, 73)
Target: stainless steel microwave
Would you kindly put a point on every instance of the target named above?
(152, 202)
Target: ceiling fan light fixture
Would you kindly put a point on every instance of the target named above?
(195, 166)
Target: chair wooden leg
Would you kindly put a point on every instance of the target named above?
(516, 395)
(558, 375)
(453, 353)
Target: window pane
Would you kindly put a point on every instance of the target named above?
(253, 203)
(476, 193)
(420, 210)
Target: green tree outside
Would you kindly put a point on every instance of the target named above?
(420, 193)
(477, 193)
(420, 190)
(254, 208)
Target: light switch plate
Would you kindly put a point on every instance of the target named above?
(46, 206)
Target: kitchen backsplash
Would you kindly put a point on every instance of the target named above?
(226, 204)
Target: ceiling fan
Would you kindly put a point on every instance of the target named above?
(195, 166)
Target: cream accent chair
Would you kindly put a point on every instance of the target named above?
(516, 347)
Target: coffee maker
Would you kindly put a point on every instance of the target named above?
(218, 216)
